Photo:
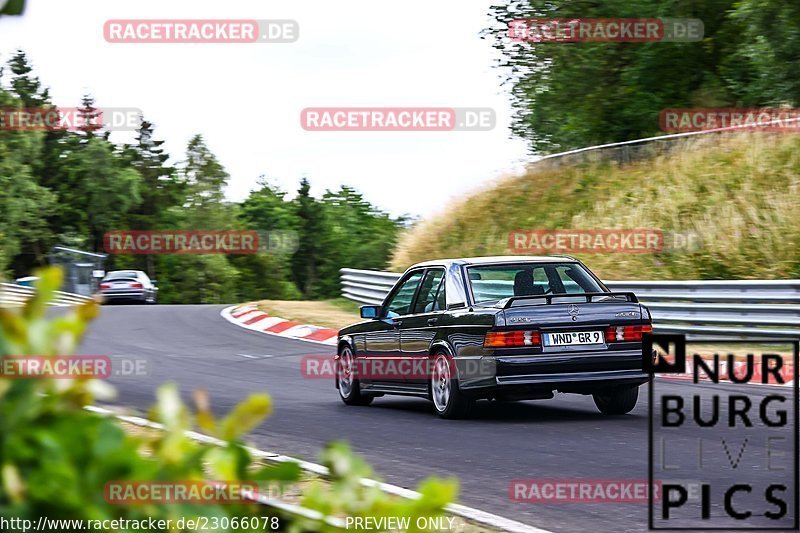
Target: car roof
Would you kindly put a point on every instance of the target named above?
(496, 259)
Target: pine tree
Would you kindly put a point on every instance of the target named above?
(25, 85)
(161, 187)
(205, 180)
(308, 256)
(90, 117)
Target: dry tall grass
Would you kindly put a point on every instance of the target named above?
(738, 192)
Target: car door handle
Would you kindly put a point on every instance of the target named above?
(432, 321)
(397, 323)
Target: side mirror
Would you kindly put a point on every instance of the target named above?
(370, 311)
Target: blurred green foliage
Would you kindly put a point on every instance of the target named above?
(56, 457)
(12, 7)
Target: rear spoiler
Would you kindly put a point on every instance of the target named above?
(587, 296)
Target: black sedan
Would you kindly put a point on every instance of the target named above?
(501, 328)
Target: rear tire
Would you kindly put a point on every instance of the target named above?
(617, 401)
(349, 387)
(448, 400)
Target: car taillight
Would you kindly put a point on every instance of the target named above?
(627, 333)
(136, 285)
(105, 285)
(512, 339)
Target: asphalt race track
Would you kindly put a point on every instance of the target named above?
(564, 438)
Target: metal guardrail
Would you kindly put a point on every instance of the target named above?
(742, 308)
(12, 295)
(747, 309)
(647, 147)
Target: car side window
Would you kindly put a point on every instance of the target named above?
(573, 280)
(401, 300)
(441, 300)
(540, 279)
(426, 300)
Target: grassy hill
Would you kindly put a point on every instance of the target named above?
(739, 192)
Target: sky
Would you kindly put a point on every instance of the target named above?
(246, 99)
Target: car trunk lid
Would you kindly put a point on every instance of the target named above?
(569, 311)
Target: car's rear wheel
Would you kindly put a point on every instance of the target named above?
(348, 385)
(617, 401)
(448, 400)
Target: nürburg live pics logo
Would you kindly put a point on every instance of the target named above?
(723, 434)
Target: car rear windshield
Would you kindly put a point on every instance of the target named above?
(122, 274)
(496, 282)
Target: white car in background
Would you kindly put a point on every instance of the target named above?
(128, 285)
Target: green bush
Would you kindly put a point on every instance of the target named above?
(56, 457)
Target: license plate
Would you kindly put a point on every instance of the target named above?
(573, 338)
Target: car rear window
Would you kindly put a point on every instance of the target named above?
(491, 283)
(122, 274)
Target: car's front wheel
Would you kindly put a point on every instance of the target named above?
(448, 400)
(348, 385)
(617, 401)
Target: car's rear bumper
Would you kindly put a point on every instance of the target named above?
(124, 295)
(632, 376)
(577, 371)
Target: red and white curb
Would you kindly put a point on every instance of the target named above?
(250, 317)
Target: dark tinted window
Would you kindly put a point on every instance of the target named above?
(496, 282)
(441, 299)
(426, 301)
(401, 300)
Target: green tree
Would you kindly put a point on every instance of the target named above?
(266, 208)
(201, 279)
(266, 274)
(100, 189)
(205, 179)
(90, 118)
(71, 187)
(24, 84)
(568, 95)
(23, 229)
(311, 232)
(759, 70)
(162, 188)
(357, 235)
